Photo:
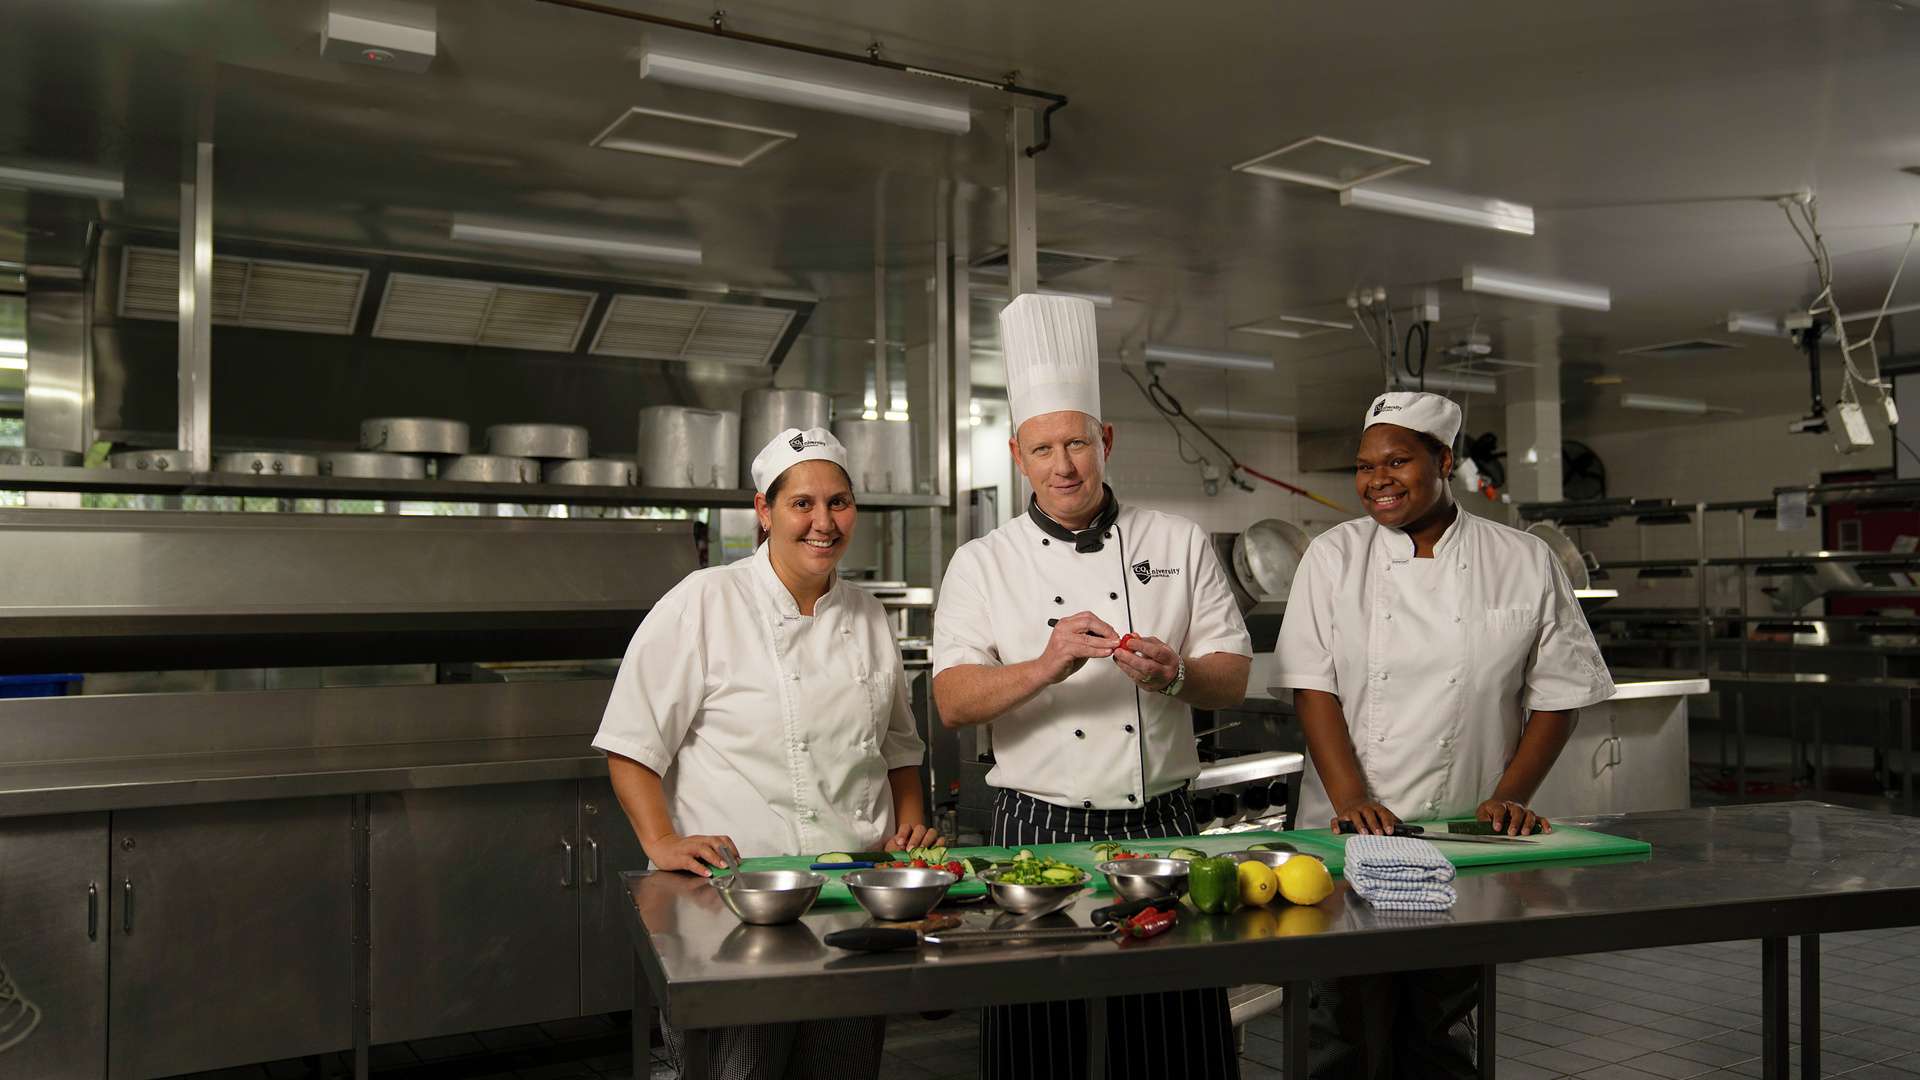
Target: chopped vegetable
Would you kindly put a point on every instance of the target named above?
(1214, 885)
(1024, 855)
(931, 854)
(853, 856)
(1151, 922)
(976, 863)
(1187, 853)
(1037, 871)
(834, 856)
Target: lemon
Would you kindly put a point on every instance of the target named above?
(1305, 880)
(1257, 884)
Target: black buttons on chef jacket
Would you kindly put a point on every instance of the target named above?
(1113, 596)
(1058, 600)
(1129, 729)
(1044, 542)
(1078, 734)
(1086, 804)
(1108, 534)
(1132, 799)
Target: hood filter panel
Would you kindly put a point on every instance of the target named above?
(260, 293)
(662, 328)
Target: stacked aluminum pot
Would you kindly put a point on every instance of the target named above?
(688, 448)
(879, 455)
(766, 413)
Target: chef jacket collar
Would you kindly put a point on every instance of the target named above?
(776, 589)
(1090, 539)
(1400, 545)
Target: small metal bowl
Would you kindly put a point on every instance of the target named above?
(899, 895)
(1146, 879)
(770, 897)
(1272, 858)
(1020, 899)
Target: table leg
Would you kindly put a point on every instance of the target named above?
(1819, 762)
(1906, 749)
(1489, 1021)
(1740, 745)
(1299, 993)
(642, 1023)
(694, 1053)
(1097, 1038)
(1773, 1009)
(1810, 1005)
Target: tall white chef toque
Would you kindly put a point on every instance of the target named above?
(1429, 414)
(790, 448)
(1053, 356)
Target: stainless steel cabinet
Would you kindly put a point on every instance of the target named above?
(607, 846)
(231, 935)
(474, 908)
(53, 942)
(1624, 755)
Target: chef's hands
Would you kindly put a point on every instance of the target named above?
(1076, 639)
(691, 853)
(1368, 817)
(1512, 818)
(912, 836)
(1148, 661)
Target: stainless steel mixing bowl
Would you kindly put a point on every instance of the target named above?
(1021, 899)
(899, 895)
(770, 897)
(1146, 879)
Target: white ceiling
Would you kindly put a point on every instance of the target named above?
(1632, 126)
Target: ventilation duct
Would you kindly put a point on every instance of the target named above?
(263, 293)
(663, 328)
(455, 311)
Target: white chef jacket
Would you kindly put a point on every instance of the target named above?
(766, 725)
(1436, 662)
(1096, 739)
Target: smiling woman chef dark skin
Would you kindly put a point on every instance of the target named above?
(1437, 662)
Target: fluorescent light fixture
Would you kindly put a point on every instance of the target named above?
(1175, 354)
(649, 249)
(1443, 206)
(1898, 309)
(13, 346)
(1540, 290)
(1241, 416)
(949, 115)
(13, 363)
(998, 294)
(1753, 322)
(1293, 327)
(1459, 384)
(61, 182)
(1683, 406)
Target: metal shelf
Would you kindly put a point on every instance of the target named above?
(143, 482)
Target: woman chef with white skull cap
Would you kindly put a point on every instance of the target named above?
(762, 707)
(1437, 662)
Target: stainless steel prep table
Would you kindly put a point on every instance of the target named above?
(1734, 873)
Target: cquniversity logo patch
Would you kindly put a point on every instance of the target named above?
(1145, 572)
(797, 442)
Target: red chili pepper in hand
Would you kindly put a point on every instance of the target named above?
(1151, 923)
(1124, 638)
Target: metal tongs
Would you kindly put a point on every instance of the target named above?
(1133, 920)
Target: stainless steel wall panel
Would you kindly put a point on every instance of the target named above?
(475, 919)
(231, 935)
(59, 398)
(55, 952)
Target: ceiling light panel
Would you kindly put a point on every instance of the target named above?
(1293, 327)
(604, 244)
(1448, 207)
(1539, 290)
(690, 138)
(897, 99)
(1241, 416)
(61, 181)
(1177, 354)
(1334, 164)
(1657, 403)
(1459, 384)
(1685, 347)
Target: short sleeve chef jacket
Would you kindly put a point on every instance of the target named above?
(766, 725)
(1094, 740)
(1436, 666)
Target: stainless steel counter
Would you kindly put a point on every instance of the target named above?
(1763, 871)
(1630, 688)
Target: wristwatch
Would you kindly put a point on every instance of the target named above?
(1173, 688)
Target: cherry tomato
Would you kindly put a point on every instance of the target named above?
(919, 864)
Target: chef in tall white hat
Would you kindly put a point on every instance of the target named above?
(1437, 663)
(762, 707)
(1086, 632)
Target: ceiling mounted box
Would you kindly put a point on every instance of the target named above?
(455, 311)
(265, 294)
(1689, 347)
(689, 138)
(1334, 164)
(663, 328)
(380, 43)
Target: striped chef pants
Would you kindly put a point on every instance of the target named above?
(1149, 1036)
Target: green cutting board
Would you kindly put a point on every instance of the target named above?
(1564, 842)
(835, 893)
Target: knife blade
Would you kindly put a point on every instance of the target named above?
(1403, 829)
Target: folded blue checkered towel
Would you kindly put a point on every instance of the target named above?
(1400, 873)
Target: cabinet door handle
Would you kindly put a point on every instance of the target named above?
(126, 905)
(1613, 750)
(593, 861)
(93, 911)
(566, 863)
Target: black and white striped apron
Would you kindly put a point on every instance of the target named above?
(1186, 1033)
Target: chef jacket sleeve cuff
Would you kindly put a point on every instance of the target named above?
(1286, 681)
(646, 755)
(1240, 645)
(904, 758)
(1570, 704)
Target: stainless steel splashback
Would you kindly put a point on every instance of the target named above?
(144, 590)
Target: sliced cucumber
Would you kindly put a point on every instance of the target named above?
(1060, 875)
(1023, 855)
(834, 856)
(975, 863)
(1186, 853)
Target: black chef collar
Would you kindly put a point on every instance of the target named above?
(1090, 539)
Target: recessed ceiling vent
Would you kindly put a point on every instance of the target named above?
(261, 293)
(1049, 263)
(455, 311)
(1324, 162)
(662, 328)
(1688, 347)
(689, 138)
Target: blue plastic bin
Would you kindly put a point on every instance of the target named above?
(17, 686)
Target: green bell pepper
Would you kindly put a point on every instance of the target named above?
(1213, 885)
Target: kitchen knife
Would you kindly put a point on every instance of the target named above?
(1403, 829)
(889, 937)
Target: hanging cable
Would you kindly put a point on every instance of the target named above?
(1169, 408)
(1417, 372)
